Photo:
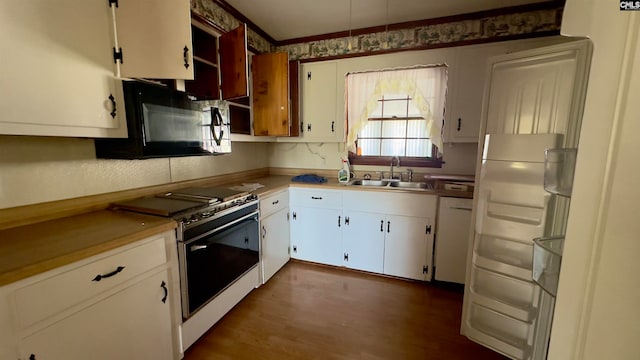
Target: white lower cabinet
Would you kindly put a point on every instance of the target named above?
(363, 241)
(123, 304)
(408, 247)
(382, 232)
(274, 227)
(131, 324)
(315, 235)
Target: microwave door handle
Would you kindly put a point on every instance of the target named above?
(216, 117)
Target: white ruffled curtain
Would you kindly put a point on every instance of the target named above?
(425, 85)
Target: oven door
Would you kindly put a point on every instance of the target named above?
(215, 259)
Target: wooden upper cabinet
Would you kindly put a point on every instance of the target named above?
(270, 75)
(234, 70)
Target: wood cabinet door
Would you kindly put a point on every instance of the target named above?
(155, 37)
(234, 68)
(363, 241)
(270, 95)
(408, 248)
(131, 324)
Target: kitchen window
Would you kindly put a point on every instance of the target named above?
(396, 112)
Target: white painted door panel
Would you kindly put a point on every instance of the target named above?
(363, 241)
(316, 236)
(56, 70)
(452, 239)
(131, 324)
(153, 35)
(275, 243)
(408, 249)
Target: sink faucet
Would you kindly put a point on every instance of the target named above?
(398, 159)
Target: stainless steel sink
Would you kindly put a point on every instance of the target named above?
(395, 184)
(370, 182)
(409, 185)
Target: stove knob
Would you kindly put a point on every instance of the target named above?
(205, 214)
(185, 221)
(194, 218)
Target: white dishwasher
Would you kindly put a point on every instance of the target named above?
(452, 239)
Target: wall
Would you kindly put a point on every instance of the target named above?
(459, 158)
(41, 169)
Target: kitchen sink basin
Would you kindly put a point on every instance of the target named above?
(370, 182)
(394, 184)
(409, 185)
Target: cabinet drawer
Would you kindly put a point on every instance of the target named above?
(50, 296)
(320, 198)
(274, 203)
(388, 202)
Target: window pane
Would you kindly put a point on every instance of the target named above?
(392, 147)
(413, 110)
(419, 147)
(372, 129)
(377, 112)
(417, 128)
(394, 128)
(395, 108)
(369, 146)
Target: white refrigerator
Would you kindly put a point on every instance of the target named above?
(504, 309)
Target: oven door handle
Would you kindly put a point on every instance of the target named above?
(229, 224)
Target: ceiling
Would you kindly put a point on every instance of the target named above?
(289, 19)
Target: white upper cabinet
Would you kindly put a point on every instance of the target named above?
(155, 38)
(466, 85)
(57, 64)
(320, 120)
(56, 70)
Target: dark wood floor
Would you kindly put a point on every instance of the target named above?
(308, 311)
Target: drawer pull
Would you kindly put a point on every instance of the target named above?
(316, 197)
(114, 272)
(166, 292)
(275, 202)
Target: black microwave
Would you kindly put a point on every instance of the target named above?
(163, 122)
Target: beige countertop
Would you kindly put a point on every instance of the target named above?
(35, 248)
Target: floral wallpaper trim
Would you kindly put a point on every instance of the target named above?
(491, 27)
(226, 21)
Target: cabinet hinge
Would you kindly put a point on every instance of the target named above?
(427, 229)
(289, 250)
(117, 55)
(287, 216)
(309, 75)
(111, 2)
(294, 215)
(425, 269)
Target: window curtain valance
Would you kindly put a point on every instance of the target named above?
(426, 85)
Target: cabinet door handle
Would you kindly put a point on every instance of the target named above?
(32, 357)
(388, 226)
(459, 124)
(333, 126)
(381, 225)
(113, 106)
(107, 275)
(264, 232)
(339, 218)
(185, 54)
(163, 285)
